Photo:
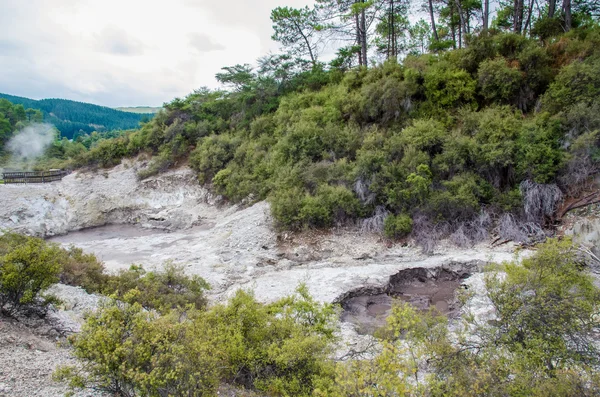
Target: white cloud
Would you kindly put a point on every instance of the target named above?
(127, 52)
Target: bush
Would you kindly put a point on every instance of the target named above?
(212, 155)
(498, 82)
(81, 269)
(577, 82)
(162, 291)
(460, 201)
(159, 164)
(548, 305)
(26, 271)
(280, 348)
(397, 226)
(107, 153)
(128, 351)
(446, 86)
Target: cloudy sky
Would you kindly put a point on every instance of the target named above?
(127, 52)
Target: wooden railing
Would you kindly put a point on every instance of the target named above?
(33, 176)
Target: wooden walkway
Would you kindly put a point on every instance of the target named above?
(33, 176)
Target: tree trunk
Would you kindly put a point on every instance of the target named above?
(463, 25)
(388, 53)
(358, 40)
(452, 26)
(568, 17)
(393, 30)
(528, 21)
(435, 33)
(551, 8)
(313, 59)
(486, 14)
(363, 35)
(459, 36)
(518, 16)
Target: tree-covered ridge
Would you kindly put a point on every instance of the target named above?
(73, 118)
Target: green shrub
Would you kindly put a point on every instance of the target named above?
(212, 155)
(577, 82)
(447, 86)
(461, 198)
(425, 135)
(386, 100)
(162, 291)
(286, 205)
(498, 82)
(107, 153)
(159, 164)
(26, 271)
(81, 269)
(279, 348)
(10, 241)
(128, 351)
(397, 226)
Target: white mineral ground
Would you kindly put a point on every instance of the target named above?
(171, 218)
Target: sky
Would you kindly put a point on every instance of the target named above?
(128, 52)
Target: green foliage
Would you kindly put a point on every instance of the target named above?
(106, 153)
(211, 155)
(295, 29)
(498, 82)
(81, 269)
(577, 82)
(461, 198)
(162, 291)
(328, 205)
(27, 268)
(448, 86)
(279, 348)
(128, 351)
(547, 308)
(12, 117)
(397, 226)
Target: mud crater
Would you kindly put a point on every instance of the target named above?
(367, 308)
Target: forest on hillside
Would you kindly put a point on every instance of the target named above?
(74, 118)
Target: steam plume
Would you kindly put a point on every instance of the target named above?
(29, 144)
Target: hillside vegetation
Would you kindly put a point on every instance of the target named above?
(73, 118)
(452, 142)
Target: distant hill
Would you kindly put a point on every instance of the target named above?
(140, 109)
(72, 117)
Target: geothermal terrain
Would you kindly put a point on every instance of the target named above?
(169, 217)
